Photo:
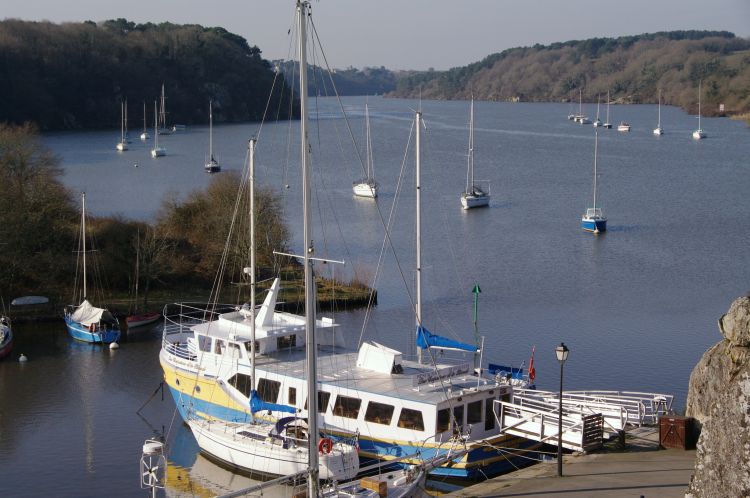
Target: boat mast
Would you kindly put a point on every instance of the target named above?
(700, 82)
(211, 136)
(125, 118)
(122, 122)
(598, 101)
(156, 128)
(369, 142)
(580, 101)
(144, 116)
(251, 146)
(83, 237)
(311, 348)
(470, 176)
(418, 122)
(607, 106)
(658, 125)
(596, 151)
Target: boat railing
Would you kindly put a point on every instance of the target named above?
(614, 417)
(638, 408)
(179, 318)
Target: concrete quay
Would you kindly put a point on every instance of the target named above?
(639, 470)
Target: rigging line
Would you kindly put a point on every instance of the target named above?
(389, 226)
(338, 97)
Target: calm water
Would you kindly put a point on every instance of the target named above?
(637, 306)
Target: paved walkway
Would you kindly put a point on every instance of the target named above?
(640, 470)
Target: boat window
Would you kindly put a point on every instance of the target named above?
(292, 399)
(268, 390)
(379, 413)
(474, 412)
(243, 383)
(489, 414)
(346, 406)
(234, 350)
(218, 346)
(287, 341)
(411, 419)
(204, 343)
(323, 399)
(443, 420)
(458, 416)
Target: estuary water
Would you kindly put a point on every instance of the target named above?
(637, 305)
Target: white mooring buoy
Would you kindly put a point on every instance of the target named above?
(23, 358)
(114, 345)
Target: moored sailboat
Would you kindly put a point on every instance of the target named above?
(699, 133)
(157, 151)
(367, 186)
(85, 322)
(475, 195)
(607, 124)
(659, 130)
(593, 219)
(212, 166)
(122, 145)
(144, 135)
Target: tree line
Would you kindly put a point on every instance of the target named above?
(632, 68)
(181, 249)
(74, 75)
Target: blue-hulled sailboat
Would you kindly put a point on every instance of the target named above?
(86, 322)
(594, 220)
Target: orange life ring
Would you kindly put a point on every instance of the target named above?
(325, 445)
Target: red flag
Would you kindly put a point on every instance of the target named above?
(532, 372)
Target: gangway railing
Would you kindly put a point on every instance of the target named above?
(579, 433)
(635, 408)
(614, 417)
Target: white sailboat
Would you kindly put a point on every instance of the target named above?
(212, 166)
(157, 151)
(659, 130)
(597, 121)
(607, 124)
(699, 133)
(144, 135)
(475, 195)
(367, 186)
(122, 145)
(593, 219)
(580, 117)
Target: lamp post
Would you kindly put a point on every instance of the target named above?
(562, 354)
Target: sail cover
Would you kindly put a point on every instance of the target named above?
(86, 314)
(426, 339)
(258, 405)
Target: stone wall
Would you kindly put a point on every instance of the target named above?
(719, 398)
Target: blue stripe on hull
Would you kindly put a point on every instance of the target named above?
(591, 226)
(186, 403)
(81, 333)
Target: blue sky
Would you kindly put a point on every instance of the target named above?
(410, 34)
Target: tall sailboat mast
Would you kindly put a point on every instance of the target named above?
(658, 125)
(211, 134)
(311, 349)
(251, 146)
(596, 153)
(418, 123)
(83, 238)
(470, 175)
(700, 82)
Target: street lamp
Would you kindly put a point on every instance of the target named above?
(562, 354)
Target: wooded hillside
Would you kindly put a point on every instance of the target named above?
(74, 75)
(633, 68)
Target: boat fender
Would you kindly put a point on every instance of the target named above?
(325, 445)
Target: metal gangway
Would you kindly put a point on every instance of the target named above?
(587, 415)
(619, 408)
(579, 433)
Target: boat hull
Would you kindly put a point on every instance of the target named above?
(158, 152)
(260, 456)
(658, 131)
(469, 201)
(699, 134)
(591, 225)
(6, 347)
(209, 401)
(141, 320)
(82, 333)
(365, 190)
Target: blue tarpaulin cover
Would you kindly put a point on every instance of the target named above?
(258, 405)
(426, 339)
